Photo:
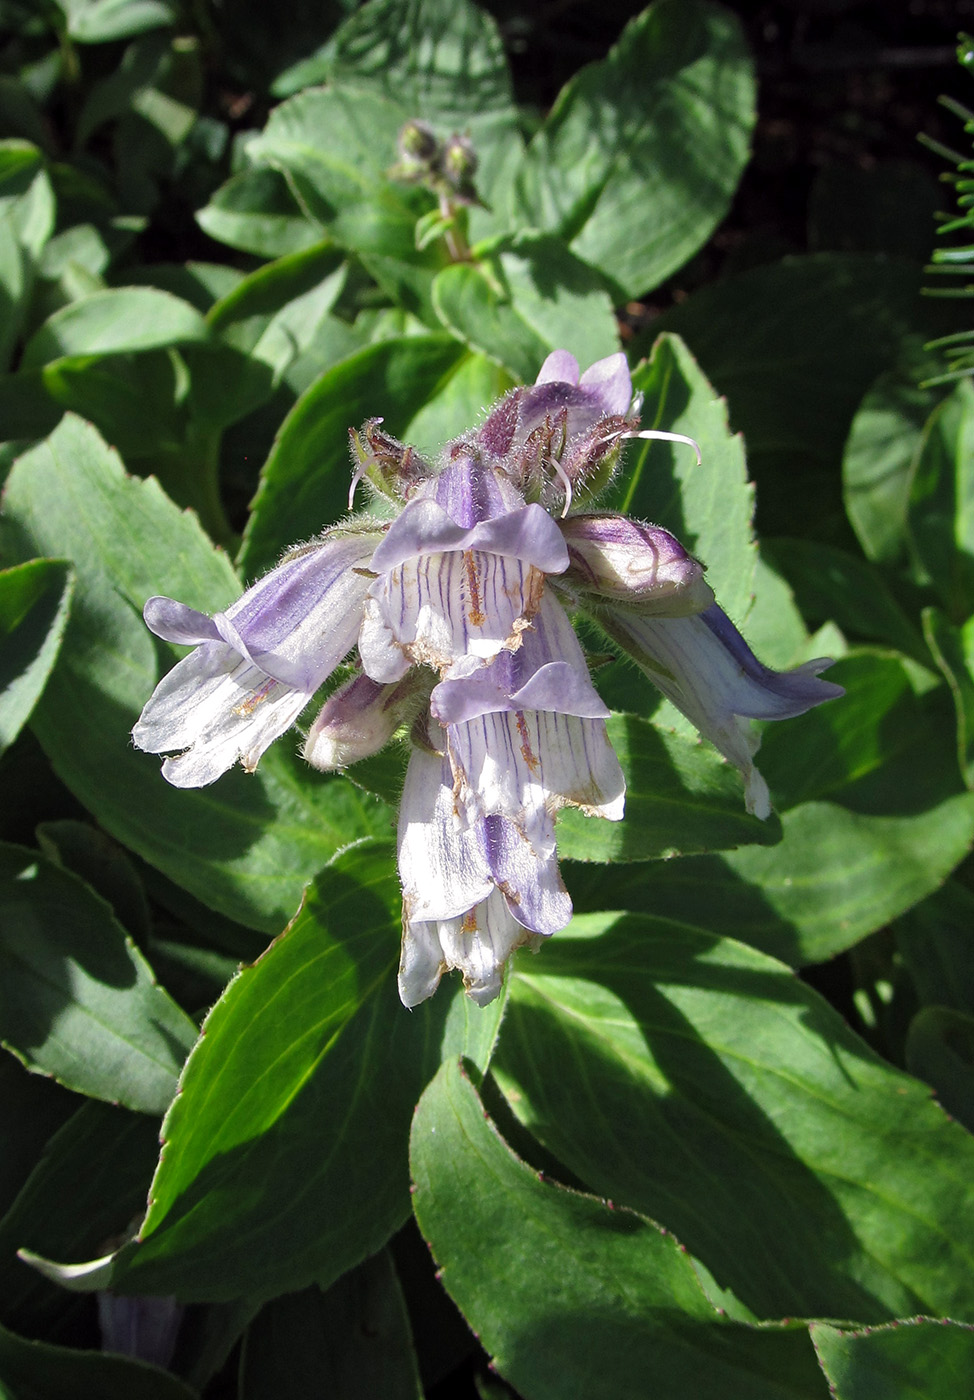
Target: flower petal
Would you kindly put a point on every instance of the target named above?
(442, 860)
(704, 666)
(610, 383)
(479, 943)
(424, 527)
(298, 621)
(359, 719)
(560, 367)
(175, 622)
(218, 708)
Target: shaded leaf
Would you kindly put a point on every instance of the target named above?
(79, 1002)
(532, 299)
(299, 1095)
(700, 1082)
(941, 507)
(113, 321)
(558, 1284)
(34, 603)
(638, 160)
(923, 1358)
(46, 1372)
(353, 1340)
(940, 1051)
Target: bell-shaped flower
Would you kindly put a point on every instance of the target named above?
(705, 667)
(255, 666)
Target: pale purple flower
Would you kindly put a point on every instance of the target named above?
(456, 617)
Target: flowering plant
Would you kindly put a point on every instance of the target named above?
(458, 612)
(697, 1146)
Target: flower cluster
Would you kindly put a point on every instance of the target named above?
(457, 611)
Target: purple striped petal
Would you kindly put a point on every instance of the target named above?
(357, 721)
(609, 382)
(298, 621)
(560, 367)
(478, 944)
(424, 527)
(704, 666)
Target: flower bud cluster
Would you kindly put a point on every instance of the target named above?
(447, 167)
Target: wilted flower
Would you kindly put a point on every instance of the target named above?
(457, 613)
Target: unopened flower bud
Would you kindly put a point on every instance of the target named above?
(457, 165)
(360, 718)
(644, 566)
(417, 142)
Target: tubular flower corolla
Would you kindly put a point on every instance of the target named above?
(455, 617)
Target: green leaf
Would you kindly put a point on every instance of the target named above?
(91, 854)
(45, 1372)
(921, 1358)
(638, 160)
(298, 1096)
(353, 1341)
(534, 298)
(458, 402)
(873, 819)
(953, 650)
(31, 1109)
(135, 401)
(442, 61)
(101, 21)
(304, 483)
(256, 212)
(941, 508)
(86, 1187)
(681, 798)
(34, 602)
(556, 1284)
(15, 285)
(698, 1081)
(832, 585)
(246, 846)
(794, 346)
(79, 1000)
(883, 441)
(708, 507)
(113, 321)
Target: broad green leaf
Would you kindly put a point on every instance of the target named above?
(41, 1371)
(442, 61)
(15, 285)
(353, 1341)
(135, 401)
(534, 298)
(335, 146)
(79, 1001)
(831, 584)
(100, 21)
(256, 212)
(556, 1284)
(775, 629)
(259, 328)
(794, 346)
(304, 483)
(113, 321)
(873, 815)
(708, 507)
(638, 160)
(297, 1098)
(246, 846)
(940, 1051)
(26, 195)
(87, 1186)
(921, 1358)
(698, 1081)
(941, 508)
(34, 602)
(883, 441)
(681, 798)
(953, 650)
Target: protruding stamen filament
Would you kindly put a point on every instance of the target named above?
(562, 477)
(658, 433)
(359, 473)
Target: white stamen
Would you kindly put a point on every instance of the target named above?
(657, 433)
(563, 478)
(359, 473)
